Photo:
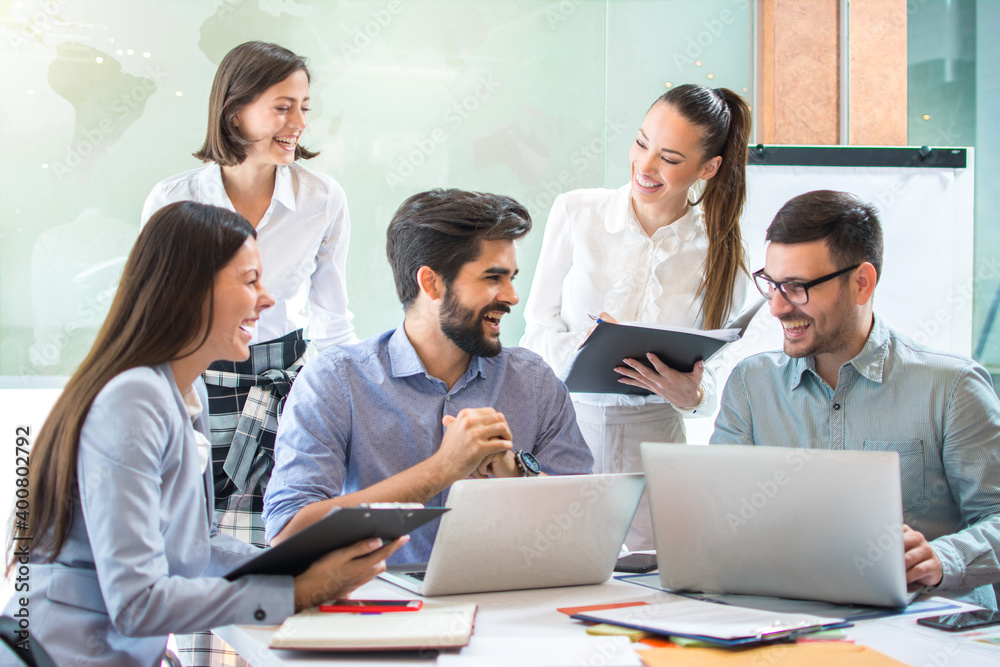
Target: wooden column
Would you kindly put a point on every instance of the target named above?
(878, 72)
(799, 70)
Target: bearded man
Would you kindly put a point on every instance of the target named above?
(403, 415)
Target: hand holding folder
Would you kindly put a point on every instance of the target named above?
(680, 348)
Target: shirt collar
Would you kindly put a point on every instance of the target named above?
(685, 227)
(284, 191)
(404, 360)
(191, 402)
(869, 362)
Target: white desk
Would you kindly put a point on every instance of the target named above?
(514, 625)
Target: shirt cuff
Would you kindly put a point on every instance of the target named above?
(272, 601)
(952, 566)
(703, 393)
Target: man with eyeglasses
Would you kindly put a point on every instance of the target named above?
(847, 381)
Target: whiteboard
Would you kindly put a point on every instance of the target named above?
(925, 290)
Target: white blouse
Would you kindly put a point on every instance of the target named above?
(596, 257)
(192, 404)
(303, 239)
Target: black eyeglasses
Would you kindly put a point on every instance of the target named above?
(795, 292)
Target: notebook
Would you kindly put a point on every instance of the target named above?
(794, 523)
(433, 627)
(511, 534)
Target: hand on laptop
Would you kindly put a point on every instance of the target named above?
(472, 439)
(922, 563)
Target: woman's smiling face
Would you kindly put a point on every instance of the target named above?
(275, 120)
(667, 157)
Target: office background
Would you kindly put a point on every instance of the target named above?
(100, 99)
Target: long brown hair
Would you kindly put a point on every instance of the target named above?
(243, 75)
(724, 118)
(158, 311)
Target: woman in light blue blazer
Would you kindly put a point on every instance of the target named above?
(123, 546)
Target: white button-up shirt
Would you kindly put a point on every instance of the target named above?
(596, 257)
(303, 240)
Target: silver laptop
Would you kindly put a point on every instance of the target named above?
(511, 534)
(794, 523)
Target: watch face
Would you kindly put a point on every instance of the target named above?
(530, 463)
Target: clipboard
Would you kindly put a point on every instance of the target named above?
(593, 369)
(341, 527)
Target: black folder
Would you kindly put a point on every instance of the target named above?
(341, 527)
(593, 369)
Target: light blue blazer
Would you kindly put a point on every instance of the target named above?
(143, 558)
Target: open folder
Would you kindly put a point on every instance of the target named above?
(723, 625)
(593, 368)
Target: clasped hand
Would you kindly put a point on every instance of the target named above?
(477, 443)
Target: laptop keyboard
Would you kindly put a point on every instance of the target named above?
(419, 576)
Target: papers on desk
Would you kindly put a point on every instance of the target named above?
(923, 606)
(436, 626)
(723, 625)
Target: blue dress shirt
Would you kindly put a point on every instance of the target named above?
(361, 413)
(936, 409)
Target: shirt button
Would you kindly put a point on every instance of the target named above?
(447, 398)
(836, 406)
(260, 614)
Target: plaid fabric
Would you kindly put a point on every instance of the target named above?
(245, 400)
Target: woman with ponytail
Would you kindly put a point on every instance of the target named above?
(651, 251)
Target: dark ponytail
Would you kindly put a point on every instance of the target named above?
(725, 120)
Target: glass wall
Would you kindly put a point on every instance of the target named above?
(101, 99)
(953, 87)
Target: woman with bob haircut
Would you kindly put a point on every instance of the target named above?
(650, 251)
(256, 117)
(125, 549)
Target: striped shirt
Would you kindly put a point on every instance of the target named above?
(936, 409)
(359, 414)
